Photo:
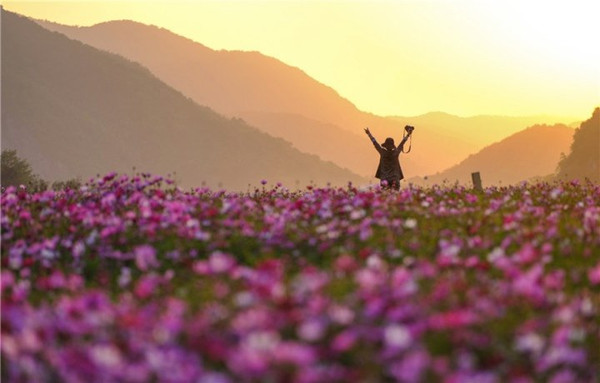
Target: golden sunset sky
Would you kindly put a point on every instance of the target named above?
(396, 57)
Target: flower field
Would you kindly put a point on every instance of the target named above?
(130, 279)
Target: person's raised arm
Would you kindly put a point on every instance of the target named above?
(404, 139)
(373, 140)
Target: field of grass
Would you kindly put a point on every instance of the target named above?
(134, 280)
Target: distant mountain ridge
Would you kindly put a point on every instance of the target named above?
(242, 84)
(252, 82)
(285, 102)
(73, 110)
(469, 128)
(530, 153)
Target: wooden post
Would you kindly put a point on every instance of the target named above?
(476, 177)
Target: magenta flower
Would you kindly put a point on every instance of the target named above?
(219, 262)
(294, 353)
(397, 336)
(412, 367)
(343, 341)
(452, 319)
(594, 275)
(146, 286)
(145, 257)
(130, 279)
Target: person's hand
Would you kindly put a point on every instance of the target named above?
(367, 131)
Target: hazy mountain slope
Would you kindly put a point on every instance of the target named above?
(258, 88)
(282, 100)
(583, 160)
(477, 131)
(532, 152)
(72, 110)
(330, 142)
(440, 141)
(228, 81)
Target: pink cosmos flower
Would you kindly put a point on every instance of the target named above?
(343, 341)
(145, 257)
(594, 275)
(294, 353)
(341, 314)
(412, 367)
(471, 198)
(529, 284)
(452, 319)
(311, 331)
(563, 376)
(345, 263)
(448, 254)
(527, 253)
(7, 279)
(146, 285)
(369, 279)
(397, 336)
(220, 262)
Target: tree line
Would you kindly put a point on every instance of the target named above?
(17, 171)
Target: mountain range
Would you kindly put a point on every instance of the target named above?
(75, 111)
(285, 102)
(530, 153)
(163, 103)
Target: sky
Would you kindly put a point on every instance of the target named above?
(465, 57)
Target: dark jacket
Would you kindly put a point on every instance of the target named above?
(389, 165)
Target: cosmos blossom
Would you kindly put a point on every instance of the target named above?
(132, 279)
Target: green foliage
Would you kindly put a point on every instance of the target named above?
(17, 171)
(584, 159)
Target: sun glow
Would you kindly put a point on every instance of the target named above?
(397, 58)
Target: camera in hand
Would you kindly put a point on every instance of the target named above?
(409, 129)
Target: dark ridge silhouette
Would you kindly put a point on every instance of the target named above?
(583, 160)
(533, 152)
(75, 111)
(285, 102)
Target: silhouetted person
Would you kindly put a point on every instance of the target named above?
(389, 170)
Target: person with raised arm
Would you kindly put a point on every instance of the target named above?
(389, 171)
